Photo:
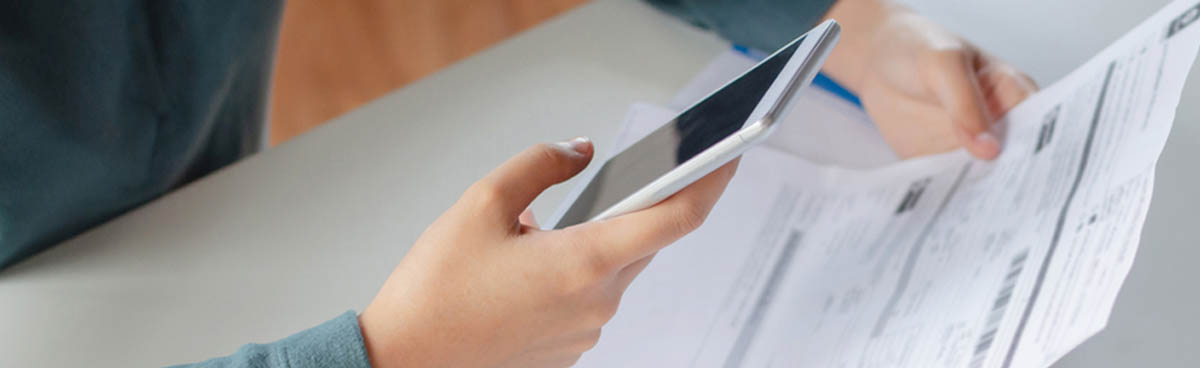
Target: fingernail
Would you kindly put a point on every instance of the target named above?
(987, 139)
(580, 145)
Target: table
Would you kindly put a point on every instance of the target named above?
(295, 235)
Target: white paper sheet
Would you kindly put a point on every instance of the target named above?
(942, 261)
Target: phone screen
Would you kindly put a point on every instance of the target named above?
(720, 115)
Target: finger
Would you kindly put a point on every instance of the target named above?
(510, 188)
(912, 126)
(528, 223)
(624, 239)
(952, 78)
(528, 219)
(1005, 87)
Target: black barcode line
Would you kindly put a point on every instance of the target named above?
(1062, 217)
(999, 307)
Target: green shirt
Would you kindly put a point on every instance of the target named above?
(107, 104)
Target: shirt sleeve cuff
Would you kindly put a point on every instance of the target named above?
(335, 343)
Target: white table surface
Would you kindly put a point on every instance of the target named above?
(295, 235)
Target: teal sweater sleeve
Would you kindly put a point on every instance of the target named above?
(336, 343)
(760, 24)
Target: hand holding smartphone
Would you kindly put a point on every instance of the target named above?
(710, 133)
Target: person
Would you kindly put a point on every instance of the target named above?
(108, 105)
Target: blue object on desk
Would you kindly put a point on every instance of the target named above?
(821, 80)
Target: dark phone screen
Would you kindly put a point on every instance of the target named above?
(695, 130)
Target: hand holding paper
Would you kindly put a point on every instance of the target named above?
(942, 261)
(928, 90)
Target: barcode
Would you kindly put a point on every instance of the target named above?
(1047, 130)
(914, 193)
(999, 306)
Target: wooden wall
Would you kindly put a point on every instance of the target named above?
(335, 55)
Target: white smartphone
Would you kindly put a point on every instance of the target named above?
(710, 133)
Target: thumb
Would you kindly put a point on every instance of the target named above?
(509, 189)
(953, 80)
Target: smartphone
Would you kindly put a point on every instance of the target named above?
(707, 135)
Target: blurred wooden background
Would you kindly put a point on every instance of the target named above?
(335, 55)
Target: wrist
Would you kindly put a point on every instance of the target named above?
(861, 21)
(372, 344)
(380, 341)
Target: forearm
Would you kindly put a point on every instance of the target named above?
(761, 24)
(768, 24)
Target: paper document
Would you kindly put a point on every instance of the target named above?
(943, 261)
